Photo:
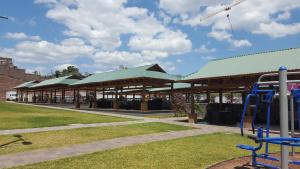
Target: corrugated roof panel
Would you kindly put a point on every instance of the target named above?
(249, 64)
(136, 72)
(66, 80)
(26, 85)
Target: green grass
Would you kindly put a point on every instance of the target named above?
(83, 135)
(16, 116)
(159, 116)
(192, 153)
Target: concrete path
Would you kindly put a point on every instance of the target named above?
(71, 126)
(30, 157)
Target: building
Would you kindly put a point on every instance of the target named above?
(11, 76)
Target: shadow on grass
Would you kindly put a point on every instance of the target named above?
(19, 138)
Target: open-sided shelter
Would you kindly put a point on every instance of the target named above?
(135, 81)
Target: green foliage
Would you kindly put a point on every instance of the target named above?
(71, 70)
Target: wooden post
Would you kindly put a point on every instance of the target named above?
(77, 103)
(74, 96)
(34, 97)
(95, 99)
(220, 99)
(62, 101)
(54, 100)
(51, 96)
(207, 96)
(103, 93)
(42, 95)
(26, 99)
(192, 116)
(115, 102)
(144, 102)
(21, 96)
(172, 95)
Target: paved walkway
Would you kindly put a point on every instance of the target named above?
(71, 126)
(29, 157)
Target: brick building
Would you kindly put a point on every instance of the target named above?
(11, 76)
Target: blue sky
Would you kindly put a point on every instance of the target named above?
(97, 36)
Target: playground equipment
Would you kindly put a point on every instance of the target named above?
(267, 97)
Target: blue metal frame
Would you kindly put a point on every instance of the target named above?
(295, 142)
(296, 94)
(255, 92)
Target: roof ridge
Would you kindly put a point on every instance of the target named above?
(250, 54)
(127, 68)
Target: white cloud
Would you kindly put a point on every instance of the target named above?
(266, 17)
(101, 24)
(277, 30)
(169, 42)
(63, 66)
(112, 60)
(21, 36)
(39, 69)
(225, 36)
(181, 7)
(204, 49)
(44, 52)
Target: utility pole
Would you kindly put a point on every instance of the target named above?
(3, 17)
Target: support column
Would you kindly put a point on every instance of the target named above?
(115, 102)
(192, 116)
(220, 99)
(172, 95)
(26, 98)
(144, 102)
(51, 96)
(62, 101)
(34, 97)
(95, 99)
(284, 121)
(208, 97)
(54, 100)
(103, 93)
(77, 100)
(74, 96)
(42, 96)
(21, 96)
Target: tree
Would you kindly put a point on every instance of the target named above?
(122, 67)
(70, 70)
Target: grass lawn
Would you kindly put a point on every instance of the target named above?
(191, 152)
(16, 116)
(83, 135)
(159, 116)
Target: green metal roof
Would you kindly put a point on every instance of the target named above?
(66, 80)
(249, 64)
(26, 84)
(136, 72)
(176, 86)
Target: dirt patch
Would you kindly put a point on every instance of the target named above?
(245, 163)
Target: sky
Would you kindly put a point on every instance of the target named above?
(101, 35)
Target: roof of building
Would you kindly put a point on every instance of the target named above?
(249, 64)
(148, 71)
(176, 86)
(26, 84)
(65, 80)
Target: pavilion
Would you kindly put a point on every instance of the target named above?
(233, 75)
